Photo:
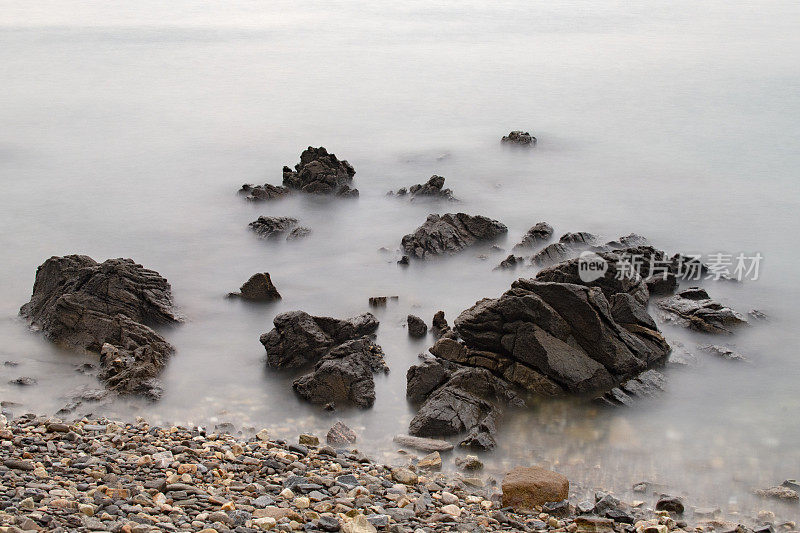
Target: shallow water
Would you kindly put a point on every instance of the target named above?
(127, 130)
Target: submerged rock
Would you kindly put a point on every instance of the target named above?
(552, 253)
(271, 227)
(519, 137)
(693, 308)
(344, 375)
(263, 192)
(106, 308)
(540, 233)
(421, 443)
(509, 262)
(450, 233)
(299, 339)
(649, 383)
(320, 172)
(416, 326)
(433, 188)
(258, 288)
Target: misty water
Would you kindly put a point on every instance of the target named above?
(126, 130)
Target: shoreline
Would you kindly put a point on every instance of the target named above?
(100, 475)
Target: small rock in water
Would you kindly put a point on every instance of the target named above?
(381, 301)
(258, 288)
(723, 351)
(417, 327)
(779, 493)
(24, 381)
(340, 435)
(522, 138)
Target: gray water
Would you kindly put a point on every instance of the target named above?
(128, 127)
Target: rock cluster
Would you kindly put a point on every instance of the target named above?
(273, 227)
(694, 308)
(107, 308)
(320, 172)
(433, 188)
(263, 192)
(450, 233)
(98, 475)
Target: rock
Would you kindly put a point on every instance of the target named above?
(404, 476)
(263, 192)
(469, 462)
(509, 262)
(299, 339)
(612, 281)
(562, 331)
(440, 325)
(452, 510)
(340, 435)
(432, 461)
(381, 301)
(694, 309)
(779, 493)
(670, 504)
(308, 440)
(258, 288)
(434, 188)
(274, 227)
(417, 327)
(522, 138)
(558, 509)
(403, 261)
(320, 172)
(420, 443)
(106, 308)
(552, 253)
(648, 384)
(424, 378)
(593, 524)
(527, 487)
(450, 233)
(580, 238)
(662, 284)
(19, 464)
(25, 381)
(359, 524)
(723, 351)
(540, 233)
(344, 375)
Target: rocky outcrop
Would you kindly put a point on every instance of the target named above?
(417, 327)
(320, 172)
(264, 192)
(519, 137)
(648, 384)
(433, 188)
(107, 308)
(450, 233)
(540, 233)
(274, 227)
(581, 238)
(612, 281)
(258, 288)
(525, 488)
(693, 308)
(509, 263)
(299, 339)
(344, 375)
(552, 253)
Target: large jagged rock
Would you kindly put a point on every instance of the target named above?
(107, 308)
(450, 233)
(320, 172)
(565, 332)
(693, 308)
(299, 339)
(540, 233)
(344, 375)
(258, 193)
(611, 282)
(258, 288)
(272, 227)
(433, 188)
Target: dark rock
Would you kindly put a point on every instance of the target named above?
(263, 192)
(299, 339)
(552, 253)
(340, 435)
(618, 515)
(670, 504)
(403, 261)
(662, 284)
(434, 188)
(540, 233)
(439, 324)
(19, 464)
(381, 301)
(320, 172)
(519, 137)
(581, 238)
(106, 308)
(558, 509)
(424, 378)
(648, 384)
(258, 288)
(565, 332)
(273, 227)
(416, 326)
(25, 381)
(344, 375)
(605, 504)
(449, 411)
(612, 281)
(450, 233)
(509, 262)
(694, 309)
